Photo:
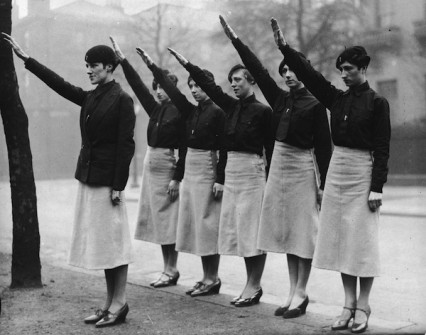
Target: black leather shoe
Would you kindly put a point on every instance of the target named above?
(361, 327)
(298, 311)
(207, 289)
(234, 300)
(254, 299)
(111, 319)
(172, 280)
(197, 285)
(280, 310)
(342, 324)
(99, 314)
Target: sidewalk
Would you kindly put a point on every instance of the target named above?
(69, 296)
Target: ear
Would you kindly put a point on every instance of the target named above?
(109, 67)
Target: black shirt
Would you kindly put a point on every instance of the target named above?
(359, 116)
(307, 118)
(166, 126)
(204, 123)
(247, 124)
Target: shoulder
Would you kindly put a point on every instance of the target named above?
(261, 107)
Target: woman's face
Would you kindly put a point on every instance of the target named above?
(291, 79)
(241, 86)
(352, 75)
(98, 73)
(198, 94)
(161, 94)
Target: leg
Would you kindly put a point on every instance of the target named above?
(170, 274)
(210, 267)
(172, 256)
(109, 277)
(120, 281)
(365, 284)
(349, 286)
(304, 270)
(256, 266)
(293, 272)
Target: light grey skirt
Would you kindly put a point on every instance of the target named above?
(348, 231)
(241, 204)
(101, 235)
(199, 211)
(289, 218)
(157, 217)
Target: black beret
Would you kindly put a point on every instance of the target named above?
(101, 54)
(171, 76)
(206, 72)
(283, 63)
(237, 67)
(356, 55)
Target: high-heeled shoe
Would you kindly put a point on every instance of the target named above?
(99, 314)
(197, 285)
(281, 310)
(172, 280)
(358, 328)
(298, 311)
(254, 299)
(234, 300)
(342, 324)
(212, 288)
(111, 319)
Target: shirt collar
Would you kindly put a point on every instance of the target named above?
(357, 90)
(251, 98)
(298, 93)
(102, 88)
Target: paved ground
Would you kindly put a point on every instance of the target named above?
(398, 299)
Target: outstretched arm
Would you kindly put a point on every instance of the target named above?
(178, 99)
(314, 81)
(206, 83)
(139, 88)
(267, 85)
(55, 82)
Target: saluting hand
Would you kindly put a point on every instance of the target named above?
(173, 190)
(217, 190)
(178, 56)
(374, 201)
(115, 197)
(15, 46)
(145, 57)
(278, 34)
(117, 49)
(227, 29)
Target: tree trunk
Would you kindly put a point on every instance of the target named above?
(26, 268)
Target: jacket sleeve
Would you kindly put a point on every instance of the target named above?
(175, 95)
(141, 91)
(268, 139)
(314, 81)
(322, 142)
(223, 155)
(125, 143)
(57, 83)
(381, 141)
(267, 85)
(209, 86)
(180, 164)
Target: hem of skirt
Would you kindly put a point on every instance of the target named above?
(198, 253)
(229, 253)
(350, 273)
(100, 267)
(287, 252)
(155, 242)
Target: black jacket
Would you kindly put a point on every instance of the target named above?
(107, 122)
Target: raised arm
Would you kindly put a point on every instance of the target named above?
(207, 84)
(178, 99)
(314, 81)
(139, 88)
(266, 83)
(54, 81)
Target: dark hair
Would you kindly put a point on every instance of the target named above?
(102, 54)
(356, 55)
(171, 76)
(283, 63)
(246, 72)
(206, 72)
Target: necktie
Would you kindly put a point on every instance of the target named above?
(234, 119)
(284, 123)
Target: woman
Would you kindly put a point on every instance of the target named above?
(162, 174)
(202, 185)
(360, 126)
(246, 135)
(289, 218)
(101, 237)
